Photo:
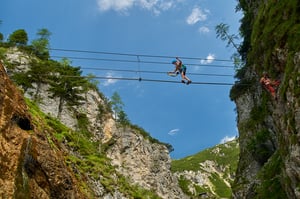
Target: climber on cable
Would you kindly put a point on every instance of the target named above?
(269, 84)
(180, 68)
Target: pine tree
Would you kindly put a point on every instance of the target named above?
(21, 79)
(67, 85)
(18, 37)
(117, 104)
(39, 74)
(41, 44)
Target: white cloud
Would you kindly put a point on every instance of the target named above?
(197, 15)
(156, 6)
(227, 139)
(209, 59)
(147, 4)
(204, 29)
(117, 5)
(173, 132)
(108, 81)
(166, 5)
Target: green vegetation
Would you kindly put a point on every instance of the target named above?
(86, 159)
(259, 148)
(117, 107)
(41, 44)
(271, 180)
(277, 27)
(225, 156)
(221, 188)
(66, 86)
(272, 30)
(19, 37)
(184, 185)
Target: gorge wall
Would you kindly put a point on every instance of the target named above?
(269, 128)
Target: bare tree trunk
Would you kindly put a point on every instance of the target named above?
(60, 107)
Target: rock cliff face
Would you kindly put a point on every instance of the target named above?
(269, 165)
(145, 163)
(30, 167)
(142, 161)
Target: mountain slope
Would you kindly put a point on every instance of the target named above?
(209, 172)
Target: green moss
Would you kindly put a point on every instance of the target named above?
(270, 177)
(258, 113)
(241, 87)
(258, 146)
(273, 28)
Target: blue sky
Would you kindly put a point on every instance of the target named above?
(190, 117)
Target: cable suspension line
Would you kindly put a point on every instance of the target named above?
(163, 81)
(154, 72)
(133, 55)
(135, 61)
(146, 80)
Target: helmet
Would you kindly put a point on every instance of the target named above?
(174, 61)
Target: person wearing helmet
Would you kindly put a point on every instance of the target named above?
(180, 68)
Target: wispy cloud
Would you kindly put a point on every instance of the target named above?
(173, 132)
(155, 6)
(197, 15)
(108, 81)
(227, 139)
(204, 29)
(117, 5)
(209, 59)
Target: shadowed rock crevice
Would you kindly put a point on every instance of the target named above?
(22, 122)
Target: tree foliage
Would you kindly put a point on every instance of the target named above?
(41, 44)
(222, 31)
(92, 80)
(67, 85)
(1, 35)
(117, 107)
(18, 37)
(39, 74)
(21, 79)
(117, 104)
